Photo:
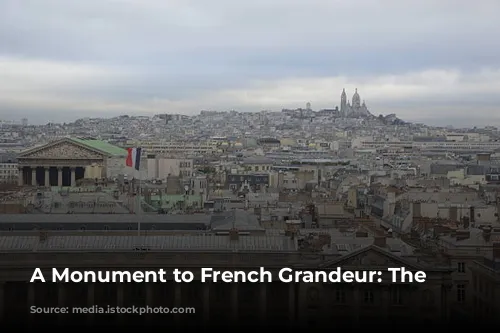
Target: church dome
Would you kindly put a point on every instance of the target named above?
(356, 100)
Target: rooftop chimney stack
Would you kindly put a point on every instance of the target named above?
(292, 228)
(487, 233)
(43, 236)
(234, 234)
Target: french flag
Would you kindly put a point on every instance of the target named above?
(134, 158)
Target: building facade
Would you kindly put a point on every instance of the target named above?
(9, 173)
(242, 303)
(63, 162)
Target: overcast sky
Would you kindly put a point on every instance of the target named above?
(436, 61)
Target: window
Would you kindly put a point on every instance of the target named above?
(106, 227)
(461, 293)
(461, 267)
(369, 297)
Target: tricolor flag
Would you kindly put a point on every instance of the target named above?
(134, 158)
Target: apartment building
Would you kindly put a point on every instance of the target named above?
(464, 248)
(485, 287)
(169, 148)
(161, 168)
(9, 173)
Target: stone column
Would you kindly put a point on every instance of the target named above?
(2, 300)
(47, 176)
(119, 299)
(59, 177)
(234, 302)
(31, 295)
(73, 179)
(206, 302)
(356, 293)
(150, 298)
(177, 302)
(263, 301)
(291, 302)
(33, 176)
(90, 300)
(20, 176)
(61, 299)
(385, 300)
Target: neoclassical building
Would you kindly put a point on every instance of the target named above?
(63, 162)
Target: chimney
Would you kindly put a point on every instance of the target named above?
(233, 234)
(292, 228)
(43, 236)
(380, 241)
(487, 233)
(496, 250)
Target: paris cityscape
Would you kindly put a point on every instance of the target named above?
(190, 144)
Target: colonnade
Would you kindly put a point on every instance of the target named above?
(50, 175)
(176, 296)
(290, 302)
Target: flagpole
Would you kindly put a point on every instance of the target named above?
(134, 161)
(139, 209)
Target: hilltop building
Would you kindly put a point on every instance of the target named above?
(356, 110)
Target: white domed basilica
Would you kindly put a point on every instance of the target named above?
(356, 110)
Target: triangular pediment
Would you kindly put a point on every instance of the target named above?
(62, 149)
(371, 257)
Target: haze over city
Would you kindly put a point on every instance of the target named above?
(428, 61)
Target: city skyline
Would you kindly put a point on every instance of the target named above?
(431, 62)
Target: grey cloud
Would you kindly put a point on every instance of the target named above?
(184, 50)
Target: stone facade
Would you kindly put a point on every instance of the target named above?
(60, 163)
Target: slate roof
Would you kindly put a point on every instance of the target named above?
(151, 243)
(104, 218)
(443, 169)
(238, 219)
(476, 170)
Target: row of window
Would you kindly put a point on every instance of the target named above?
(369, 297)
(8, 166)
(84, 228)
